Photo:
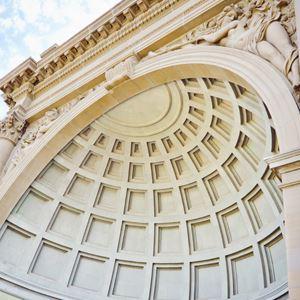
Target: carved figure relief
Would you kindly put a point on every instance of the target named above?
(264, 28)
(257, 28)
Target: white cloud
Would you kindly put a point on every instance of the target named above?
(34, 44)
(19, 24)
(2, 8)
(50, 9)
(28, 27)
(6, 23)
(31, 10)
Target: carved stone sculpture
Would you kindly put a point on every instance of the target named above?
(261, 27)
(12, 127)
(257, 29)
(9, 101)
(35, 131)
(46, 122)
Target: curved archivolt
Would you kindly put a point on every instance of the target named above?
(166, 196)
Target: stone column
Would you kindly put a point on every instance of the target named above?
(6, 147)
(288, 165)
(11, 129)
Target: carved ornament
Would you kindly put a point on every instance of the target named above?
(120, 72)
(262, 27)
(13, 126)
(35, 131)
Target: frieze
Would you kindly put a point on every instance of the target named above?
(264, 28)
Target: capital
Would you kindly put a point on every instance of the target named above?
(13, 125)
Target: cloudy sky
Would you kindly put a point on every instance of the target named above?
(28, 27)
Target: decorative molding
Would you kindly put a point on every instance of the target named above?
(244, 26)
(26, 88)
(9, 100)
(38, 129)
(285, 162)
(18, 76)
(85, 45)
(95, 61)
(103, 45)
(120, 72)
(13, 126)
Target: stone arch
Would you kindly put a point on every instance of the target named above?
(212, 62)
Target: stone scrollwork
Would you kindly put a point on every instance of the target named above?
(45, 123)
(9, 101)
(12, 127)
(263, 27)
(36, 130)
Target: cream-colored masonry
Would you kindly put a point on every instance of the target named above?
(168, 200)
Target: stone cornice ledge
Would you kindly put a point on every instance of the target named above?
(77, 61)
(288, 165)
(14, 79)
(285, 162)
(98, 66)
(123, 18)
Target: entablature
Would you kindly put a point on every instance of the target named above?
(77, 65)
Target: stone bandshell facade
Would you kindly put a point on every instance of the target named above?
(155, 155)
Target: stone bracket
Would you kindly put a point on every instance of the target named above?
(120, 72)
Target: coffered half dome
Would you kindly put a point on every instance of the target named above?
(165, 196)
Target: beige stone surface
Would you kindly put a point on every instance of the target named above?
(143, 171)
(147, 194)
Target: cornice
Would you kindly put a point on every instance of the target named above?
(25, 88)
(18, 76)
(93, 71)
(103, 44)
(152, 29)
(285, 162)
(102, 33)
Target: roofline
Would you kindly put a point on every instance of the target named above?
(106, 19)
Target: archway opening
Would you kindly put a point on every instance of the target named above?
(170, 199)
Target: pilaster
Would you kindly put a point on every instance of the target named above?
(11, 130)
(288, 165)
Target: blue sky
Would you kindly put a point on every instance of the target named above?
(28, 27)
